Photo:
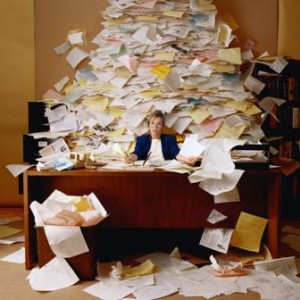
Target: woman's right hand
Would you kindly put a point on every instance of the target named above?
(129, 159)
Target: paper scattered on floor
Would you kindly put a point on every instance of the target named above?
(276, 280)
(54, 275)
(6, 221)
(6, 231)
(17, 257)
(12, 240)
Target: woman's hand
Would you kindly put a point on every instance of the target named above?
(191, 160)
(129, 159)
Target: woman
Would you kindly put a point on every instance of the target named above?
(157, 146)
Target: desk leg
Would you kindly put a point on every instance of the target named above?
(274, 205)
(27, 228)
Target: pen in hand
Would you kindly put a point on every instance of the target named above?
(129, 157)
(147, 157)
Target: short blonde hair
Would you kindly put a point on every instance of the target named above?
(157, 114)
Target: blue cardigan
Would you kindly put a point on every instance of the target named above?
(169, 145)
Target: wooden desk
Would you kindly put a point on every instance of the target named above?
(155, 200)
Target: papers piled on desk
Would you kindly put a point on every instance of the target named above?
(173, 56)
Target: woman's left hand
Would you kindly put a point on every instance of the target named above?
(191, 160)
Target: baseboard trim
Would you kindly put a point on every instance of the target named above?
(6, 212)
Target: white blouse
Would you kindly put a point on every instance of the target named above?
(156, 150)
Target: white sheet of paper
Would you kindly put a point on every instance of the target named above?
(54, 275)
(61, 83)
(104, 292)
(66, 241)
(166, 105)
(272, 265)
(56, 114)
(154, 292)
(216, 238)
(279, 64)
(68, 123)
(216, 159)
(76, 38)
(134, 118)
(13, 240)
(191, 147)
(56, 147)
(227, 183)
(201, 175)
(17, 257)
(215, 217)
(75, 56)
(62, 48)
(181, 124)
(254, 84)
(230, 196)
(16, 169)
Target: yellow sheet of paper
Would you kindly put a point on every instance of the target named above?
(151, 93)
(199, 115)
(189, 87)
(229, 19)
(224, 34)
(114, 21)
(252, 110)
(174, 13)
(231, 55)
(165, 55)
(83, 133)
(131, 147)
(145, 268)
(204, 5)
(82, 203)
(239, 105)
(223, 68)
(96, 103)
(161, 71)
(116, 112)
(104, 88)
(231, 133)
(116, 133)
(69, 88)
(248, 232)
(6, 231)
(82, 81)
(245, 106)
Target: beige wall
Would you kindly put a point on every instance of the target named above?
(257, 21)
(16, 88)
(68, 15)
(289, 28)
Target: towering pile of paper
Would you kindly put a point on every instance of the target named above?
(174, 56)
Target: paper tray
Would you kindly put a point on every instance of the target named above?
(252, 164)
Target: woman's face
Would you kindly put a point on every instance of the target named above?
(155, 127)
